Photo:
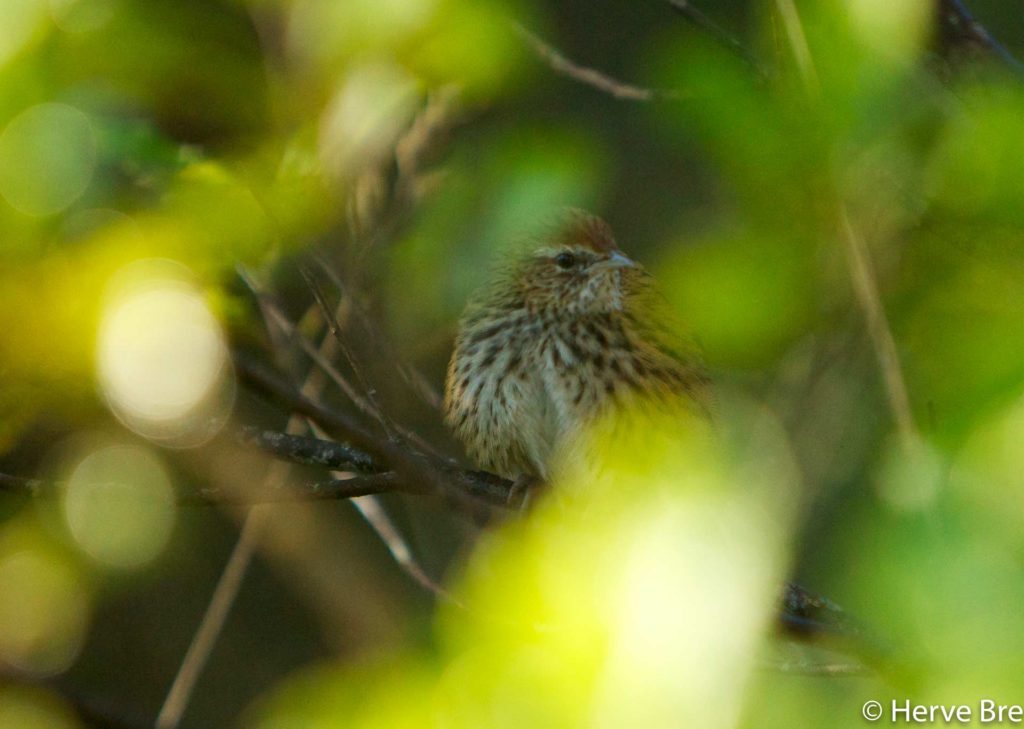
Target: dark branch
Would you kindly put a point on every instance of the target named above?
(366, 402)
(418, 472)
(338, 424)
(960, 29)
(329, 490)
(485, 489)
(310, 451)
(589, 76)
(385, 349)
(805, 616)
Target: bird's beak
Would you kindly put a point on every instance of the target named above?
(617, 259)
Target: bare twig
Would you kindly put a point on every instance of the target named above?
(335, 489)
(589, 76)
(429, 126)
(697, 17)
(399, 549)
(375, 515)
(808, 668)
(412, 377)
(338, 424)
(798, 44)
(487, 487)
(226, 591)
(212, 623)
(414, 468)
(957, 26)
(371, 217)
(863, 277)
(275, 315)
(370, 405)
(866, 290)
(366, 405)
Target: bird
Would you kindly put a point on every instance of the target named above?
(559, 337)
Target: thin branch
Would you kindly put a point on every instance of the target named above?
(421, 386)
(373, 512)
(412, 471)
(589, 76)
(863, 277)
(212, 623)
(414, 468)
(959, 26)
(275, 315)
(823, 670)
(370, 405)
(375, 216)
(335, 489)
(318, 297)
(319, 451)
(413, 147)
(799, 45)
(226, 591)
(377, 517)
(338, 424)
(697, 17)
(412, 377)
(866, 290)
(366, 405)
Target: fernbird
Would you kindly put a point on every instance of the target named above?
(558, 339)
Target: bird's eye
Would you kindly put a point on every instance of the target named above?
(565, 260)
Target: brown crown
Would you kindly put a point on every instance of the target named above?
(587, 231)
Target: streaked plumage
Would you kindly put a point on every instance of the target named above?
(561, 336)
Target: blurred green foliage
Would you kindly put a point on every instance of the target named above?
(254, 133)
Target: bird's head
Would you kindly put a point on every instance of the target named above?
(578, 270)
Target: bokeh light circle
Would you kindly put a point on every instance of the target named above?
(162, 359)
(82, 16)
(43, 610)
(32, 707)
(119, 506)
(47, 159)
(22, 22)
